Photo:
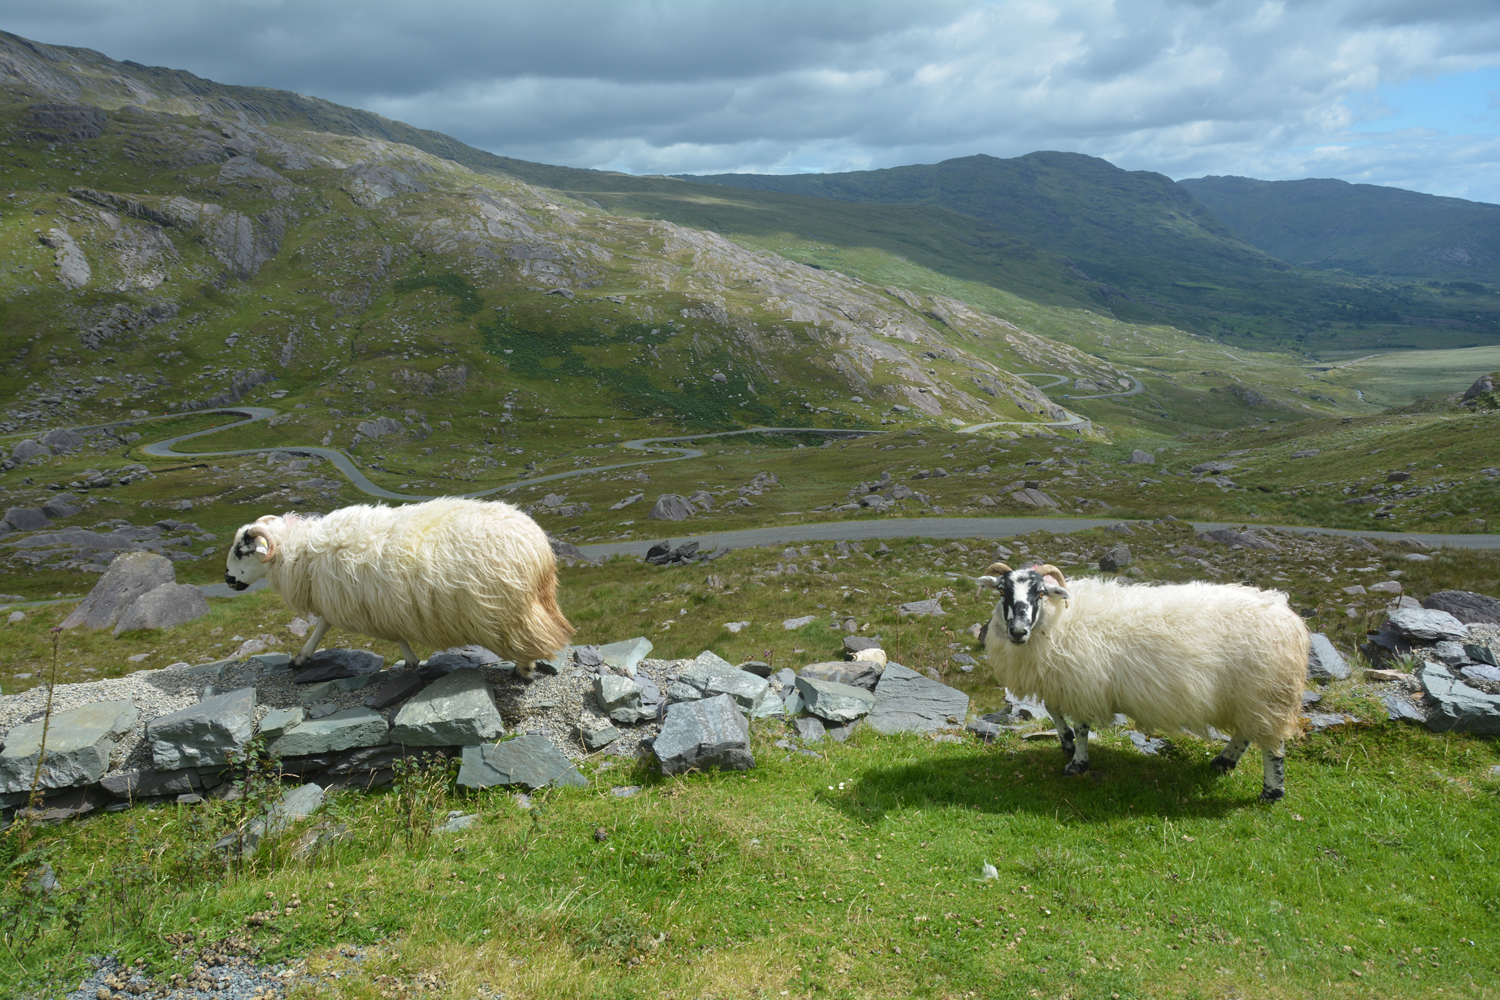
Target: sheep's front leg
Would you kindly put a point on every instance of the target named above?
(1064, 734)
(1275, 782)
(1080, 762)
(1230, 755)
(409, 659)
(526, 669)
(311, 645)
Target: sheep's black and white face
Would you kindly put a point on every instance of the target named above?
(245, 563)
(1022, 594)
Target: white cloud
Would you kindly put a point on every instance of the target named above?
(1267, 89)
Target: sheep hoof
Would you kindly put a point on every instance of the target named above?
(1223, 764)
(1076, 767)
(1272, 794)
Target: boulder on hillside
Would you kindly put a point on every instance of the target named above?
(671, 507)
(26, 518)
(130, 575)
(1244, 539)
(1116, 558)
(62, 441)
(1465, 605)
(27, 450)
(163, 607)
(1139, 457)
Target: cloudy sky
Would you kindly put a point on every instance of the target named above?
(1398, 92)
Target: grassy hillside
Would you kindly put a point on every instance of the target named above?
(1361, 228)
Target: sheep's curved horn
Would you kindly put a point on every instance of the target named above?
(1047, 569)
(258, 530)
(997, 569)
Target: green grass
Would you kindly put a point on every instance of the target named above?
(858, 874)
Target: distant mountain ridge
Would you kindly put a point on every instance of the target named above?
(1360, 228)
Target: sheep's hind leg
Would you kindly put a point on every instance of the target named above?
(409, 659)
(311, 645)
(1275, 783)
(1064, 734)
(1080, 762)
(1230, 755)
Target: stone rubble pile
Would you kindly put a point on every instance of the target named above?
(1444, 667)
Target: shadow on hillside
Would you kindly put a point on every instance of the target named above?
(1119, 785)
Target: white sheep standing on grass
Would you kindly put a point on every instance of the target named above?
(1182, 656)
(448, 572)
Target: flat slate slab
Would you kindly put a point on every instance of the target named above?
(835, 702)
(353, 727)
(856, 673)
(529, 761)
(1454, 706)
(698, 735)
(907, 702)
(1426, 625)
(1467, 606)
(201, 735)
(279, 720)
(79, 742)
(625, 656)
(709, 676)
(334, 664)
(398, 688)
(1324, 662)
(150, 784)
(456, 710)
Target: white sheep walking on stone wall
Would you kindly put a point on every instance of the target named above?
(448, 572)
(1184, 656)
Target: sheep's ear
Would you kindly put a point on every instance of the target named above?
(993, 583)
(1055, 589)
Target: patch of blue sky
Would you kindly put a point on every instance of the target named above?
(1456, 104)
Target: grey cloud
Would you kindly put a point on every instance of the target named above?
(710, 85)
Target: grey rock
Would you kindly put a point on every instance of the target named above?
(1244, 539)
(26, 518)
(624, 791)
(529, 761)
(1310, 698)
(620, 699)
(150, 784)
(587, 657)
(322, 710)
(279, 720)
(811, 730)
(201, 735)
(835, 702)
(710, 675)
(299, 803)
(456, 710)
(1481, 672)
(62, 441)
(353, 727)
(1480, 654)
(1451, 653)
(1212, 468)
(757, 667)
(932, 607)
(1319, 721)
(1139, 457)
(698, 735)
(1399, 707)
(334, 664)
(27, 450)
(906, 701)
(792, 624)
(59, 507)
(130, 575)
(793, 704)
(986, 731)
(671, 507)
(457, 821)
(1467, 606)
(1026, 708)
(784, 679)
(164, 607)
(79, 743)
(625, 656)
(598, 739)
(1426, 625)
(856, 673)
(1150, 746)
(1454, 706)
(1116, 559)
(369, 184)
(397, 688)
(1324, 662)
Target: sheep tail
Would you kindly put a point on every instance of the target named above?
(544, 626)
